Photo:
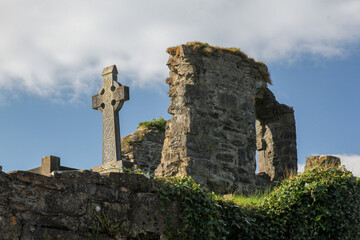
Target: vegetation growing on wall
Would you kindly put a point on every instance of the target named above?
(201, 216)
(208, 50)
(159, 124)
(318, 204)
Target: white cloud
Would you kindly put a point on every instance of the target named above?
(351, 163)
(59, 48)
(301, 167)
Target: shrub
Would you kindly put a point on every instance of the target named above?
(159, 124)
(317, 204)
(204, 215)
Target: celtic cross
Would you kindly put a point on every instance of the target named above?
(108, 101)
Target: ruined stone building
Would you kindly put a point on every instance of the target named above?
(223, 116)
(222, 113)
(143, 147)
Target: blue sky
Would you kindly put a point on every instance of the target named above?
(52, 54)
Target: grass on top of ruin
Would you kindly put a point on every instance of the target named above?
(250, 200)
(208, 50)
(258, 197)
(159, 124)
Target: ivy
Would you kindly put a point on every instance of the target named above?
(318, 204)
(204, 215)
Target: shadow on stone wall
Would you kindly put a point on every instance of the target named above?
(78, 205)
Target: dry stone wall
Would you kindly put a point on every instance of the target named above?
(80, 205)
(143, 148)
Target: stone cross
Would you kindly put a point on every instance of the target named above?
(108, 101)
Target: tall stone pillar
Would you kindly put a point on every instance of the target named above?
(211, 136)
(276, 136)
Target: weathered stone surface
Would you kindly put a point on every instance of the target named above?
(216, 96)
(116, 166)
(49, 164)
(322, 161)
(79, 204)
(276, 136)
(108, 101)
(143, 148)
(263, 181)
(211, 135)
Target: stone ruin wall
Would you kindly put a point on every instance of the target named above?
(276, 136)
(211, 136)
(81, 205)
(143, 148)
(222, 113)
(216, 95)
(322, 161)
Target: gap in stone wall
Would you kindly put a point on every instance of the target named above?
(256, 155)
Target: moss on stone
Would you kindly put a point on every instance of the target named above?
(129, 142)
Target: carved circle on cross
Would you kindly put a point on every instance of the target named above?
(107, 93)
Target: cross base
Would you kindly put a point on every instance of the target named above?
(114, 166)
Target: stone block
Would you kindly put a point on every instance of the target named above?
(322, 161)
(50, 164)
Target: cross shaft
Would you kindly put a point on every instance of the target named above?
(109, 100)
